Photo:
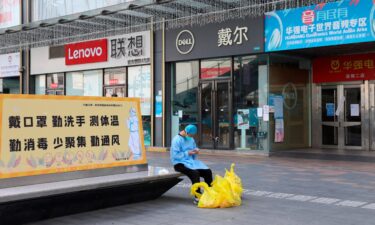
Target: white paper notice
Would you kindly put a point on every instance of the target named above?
(340, 106)
(354, 109)
(180, 113)
(260, 112)
(266, 113)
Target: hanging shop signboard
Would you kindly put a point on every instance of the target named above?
(325, 24)
(344, 68)
(232, 37)
(55, 134)
(130, 49)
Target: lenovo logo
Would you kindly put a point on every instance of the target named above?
(86, 52)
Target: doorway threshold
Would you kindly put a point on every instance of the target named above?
(327, 154)
(234, 152)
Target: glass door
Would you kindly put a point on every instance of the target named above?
(329, 120)
(352, 117)
(342, 110)
(215, 114)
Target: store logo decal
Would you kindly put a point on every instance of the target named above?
(86, 52)
(185, 42)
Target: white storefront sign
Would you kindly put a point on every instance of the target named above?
(122, 50)
(9, 65)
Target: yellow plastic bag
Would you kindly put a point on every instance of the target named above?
(209, 198)
(225, 191)
(234, 180)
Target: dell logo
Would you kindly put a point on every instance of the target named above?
(185, 42)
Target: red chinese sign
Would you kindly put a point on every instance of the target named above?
(344, 68)
(207, 73)
(86, 52)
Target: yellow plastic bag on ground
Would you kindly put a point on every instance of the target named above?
(225, 191)
(209, 198)
(234, 180)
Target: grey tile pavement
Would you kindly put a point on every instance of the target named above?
(291, 190)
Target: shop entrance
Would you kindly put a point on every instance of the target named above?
(214, 114)
(342, 116)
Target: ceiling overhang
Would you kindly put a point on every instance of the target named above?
(138, 15)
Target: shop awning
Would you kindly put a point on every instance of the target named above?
(138, 15)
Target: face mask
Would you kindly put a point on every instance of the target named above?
(188, 138)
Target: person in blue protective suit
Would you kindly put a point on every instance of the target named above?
(184, 153)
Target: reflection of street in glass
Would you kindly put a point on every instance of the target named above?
(134, 141)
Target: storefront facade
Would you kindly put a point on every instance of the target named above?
(265, 83)
(342, 91)
(116, 66)
(219, 77)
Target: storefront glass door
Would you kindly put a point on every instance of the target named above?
(214, 114)
(342, 114)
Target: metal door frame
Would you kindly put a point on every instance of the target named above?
(340, 123)
(371, 115)
(214, 99)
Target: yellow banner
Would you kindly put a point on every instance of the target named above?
(54, 134)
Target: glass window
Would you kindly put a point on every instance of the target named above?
(212, 68)
(40, 85)
(291, 83)
(74, 83)
(46, 9)
(10, 85)
(139, 85)
(92, 83)
(9, 13)
(249, 94)
(115, 76)
(184, 95)
(85, 83)
(55, 84)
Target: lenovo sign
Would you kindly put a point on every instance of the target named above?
(86, 52)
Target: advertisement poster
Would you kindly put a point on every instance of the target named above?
(159, 106)
(279, 130)
(9, 13)
(54, 134)
(325, 24)
(243, 119)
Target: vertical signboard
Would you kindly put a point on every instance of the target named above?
(340, 22)
(54, 134)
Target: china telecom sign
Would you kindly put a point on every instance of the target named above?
(342, 22)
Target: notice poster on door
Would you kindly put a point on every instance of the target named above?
(279, 130)
(354, 109)
(340, 107)
(278, 102)
(266, 113)
(330, 108)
